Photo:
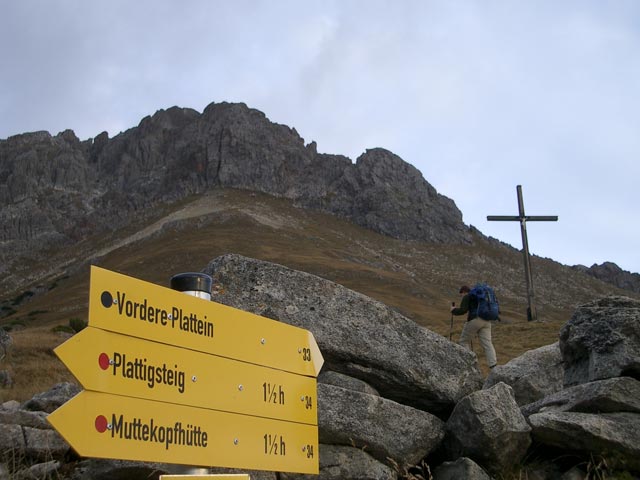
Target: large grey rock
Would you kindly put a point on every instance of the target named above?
(28, 434)
(462, 468)
(602, 340)
(39, 470)
(6, 342)
(53, 398)
(345, 381)
(253, 474)
(533, 375)
(358, 336)
(602, 396)
(383, 428)
(25, 418)
(98, 469)
(11, 439)
(487, 427)
(104, 469)
(616, 436)
(44, 444)
(6, 379)
(346, 463)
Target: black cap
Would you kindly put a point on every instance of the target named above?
(192, 282)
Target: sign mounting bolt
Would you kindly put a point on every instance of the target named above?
(263, 341)
(194, 378)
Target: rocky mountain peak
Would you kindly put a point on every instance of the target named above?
(102, 183)
(611, 273)
(170, 119)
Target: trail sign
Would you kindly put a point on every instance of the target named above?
(113, 363)
(232, 476)
(123, 304)
(178, 379)
(112, 426)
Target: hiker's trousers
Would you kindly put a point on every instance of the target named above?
(482, 328)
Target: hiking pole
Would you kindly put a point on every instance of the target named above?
(453, 304)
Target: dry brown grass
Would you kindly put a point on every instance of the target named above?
(33, 364)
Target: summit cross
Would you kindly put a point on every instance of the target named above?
(523, 219)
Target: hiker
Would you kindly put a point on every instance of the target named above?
(474, 325)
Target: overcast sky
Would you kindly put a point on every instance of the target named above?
(481, 96)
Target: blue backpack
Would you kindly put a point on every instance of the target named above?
(488, 306)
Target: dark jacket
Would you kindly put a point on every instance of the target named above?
(468, 305)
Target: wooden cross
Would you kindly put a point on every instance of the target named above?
(523, 219)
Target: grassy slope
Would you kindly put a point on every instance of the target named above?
(420, 280)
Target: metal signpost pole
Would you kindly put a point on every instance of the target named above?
(197, 285)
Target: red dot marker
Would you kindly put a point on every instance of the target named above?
(103, 361)
(101, 423)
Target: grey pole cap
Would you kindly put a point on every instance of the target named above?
(192, 282)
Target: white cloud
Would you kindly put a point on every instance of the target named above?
(480, 96)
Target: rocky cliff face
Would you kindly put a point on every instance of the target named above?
(55, 190)
(611, 273)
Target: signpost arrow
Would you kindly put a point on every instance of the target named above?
(123, 304)
(113, 363)
(112, 426)
(178, 379)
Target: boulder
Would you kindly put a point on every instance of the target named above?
(533, 375)
(602, 340)
(346, 463)
(104, 469)
(487, 427)
(462, 468)
(11, 439)
(381, 427)
(345, 381)
(358, 336)
(614, 436)
(39, 470)
(98, 469)
(52, 399)
(603, 396)
(26, 418)
(6, 342)
(44, 444)
(6, 379)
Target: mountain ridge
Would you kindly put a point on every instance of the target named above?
(57, 189)
(60, 192)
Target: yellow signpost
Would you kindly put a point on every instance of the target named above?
(123, 304)
(232, 476)
(112, 426)
(113, 363)
(177, 379)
